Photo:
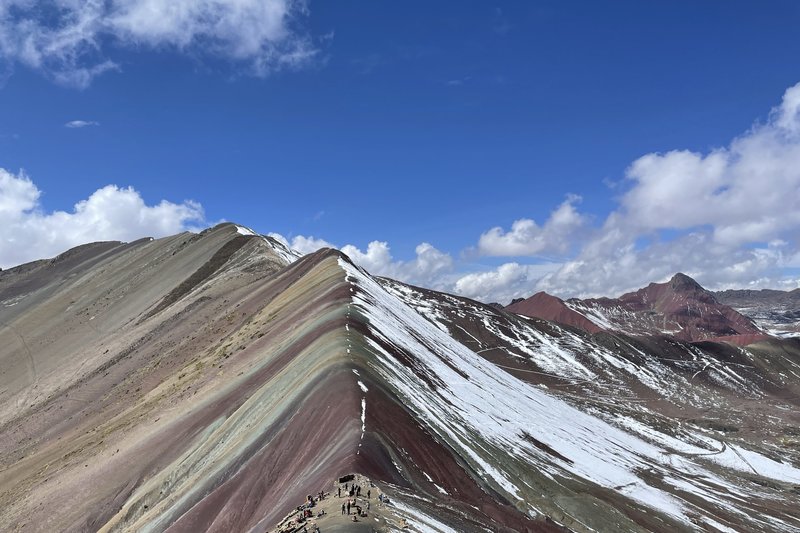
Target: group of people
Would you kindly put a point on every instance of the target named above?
(353, 492)
(351, 507)
(305, 512)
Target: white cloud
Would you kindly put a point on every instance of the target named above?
(435, 269)
(306, 245)
(17, 194)
(377, 259)
(623, 266)
(67, 39)
(748, 192)
(303, 244)
(735, 210)
(27, 232)
(787, 116)
(526, 237)
(502, 284)
(429, 267)
(81, 123)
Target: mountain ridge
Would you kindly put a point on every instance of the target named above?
(264, 380)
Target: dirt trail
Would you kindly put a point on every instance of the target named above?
(31, 363)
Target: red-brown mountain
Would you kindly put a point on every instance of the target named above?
(549, 307)
(680, 308)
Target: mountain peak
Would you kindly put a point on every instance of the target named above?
(682, 282)
(548, 307)
(680, 307)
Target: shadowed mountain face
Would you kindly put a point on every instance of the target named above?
(210, 382)
(680, 308)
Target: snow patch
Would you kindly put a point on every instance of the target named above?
(419, 521)
(430, 480)
(473, 405)
(363, 416)
(284, 252)
(241, 230)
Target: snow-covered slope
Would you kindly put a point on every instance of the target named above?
(289, 255)
(515, 433)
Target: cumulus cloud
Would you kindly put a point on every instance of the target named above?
(303, 244)
(68, 40)
(624, 266)
(306, 245)
(427, 268)
(502, 284)
(28, 232)
(435, 269)
(430, 267)
(81, 124)
(736, 211)
(526, 237)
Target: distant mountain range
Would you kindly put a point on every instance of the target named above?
(679, 308)
(777, 312)
(215, 381)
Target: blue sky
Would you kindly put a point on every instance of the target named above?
(408, 123)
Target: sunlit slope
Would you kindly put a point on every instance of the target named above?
(106, 367)
(64, 317)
